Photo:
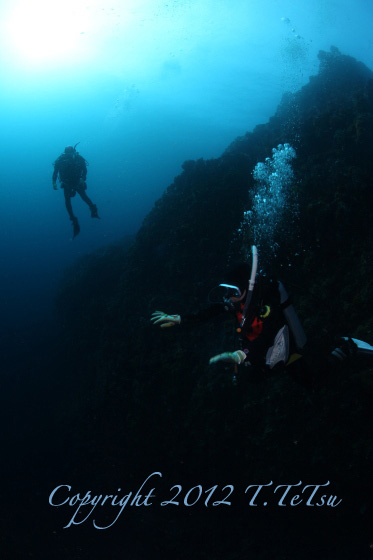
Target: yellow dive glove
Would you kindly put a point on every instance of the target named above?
(164, 320)
(237, 357)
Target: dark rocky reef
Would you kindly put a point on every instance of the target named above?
(133, 399)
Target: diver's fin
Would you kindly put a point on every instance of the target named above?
(363, 348)
(351, 348)
(76, 227)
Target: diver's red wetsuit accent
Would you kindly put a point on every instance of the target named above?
(255, 328)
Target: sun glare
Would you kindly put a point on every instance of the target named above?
(45, 31)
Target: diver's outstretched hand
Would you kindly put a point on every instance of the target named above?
(236, 357)
(164, 320)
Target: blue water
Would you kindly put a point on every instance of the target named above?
(143, 85)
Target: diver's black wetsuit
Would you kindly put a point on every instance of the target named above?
(72, 171)
(271, 309)
(264, 320)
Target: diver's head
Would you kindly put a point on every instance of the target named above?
(239, 276)
(69, 150)
(235, 287)
(232, 293)
(226, 293)
(240, 282)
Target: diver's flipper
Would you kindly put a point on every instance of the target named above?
(363, 349)
(76, 227)
(351, 348)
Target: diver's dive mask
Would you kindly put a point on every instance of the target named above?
(223, 293)
(230, 291)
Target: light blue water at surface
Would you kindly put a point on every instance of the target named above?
(143, 86)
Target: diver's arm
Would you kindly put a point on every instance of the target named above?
(163, 320)
(237, 357)
(207, 314)
(54, 176)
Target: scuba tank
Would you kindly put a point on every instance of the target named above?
(291, 317)
(287, 307)
(279, 351)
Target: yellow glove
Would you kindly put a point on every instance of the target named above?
(236, 357)
(54, 185)
(164, 320)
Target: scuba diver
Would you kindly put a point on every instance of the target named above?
(270, 332)
(71, 168)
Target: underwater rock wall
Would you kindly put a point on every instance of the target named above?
(189, 238)
(146, 397)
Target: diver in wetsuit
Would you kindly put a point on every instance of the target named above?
(269, 329)
(71, 168)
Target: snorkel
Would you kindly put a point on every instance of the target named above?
(251, 285)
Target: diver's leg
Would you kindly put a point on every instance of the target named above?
(68, 203)
(84, 197)
(67, 193)
(88, 201)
